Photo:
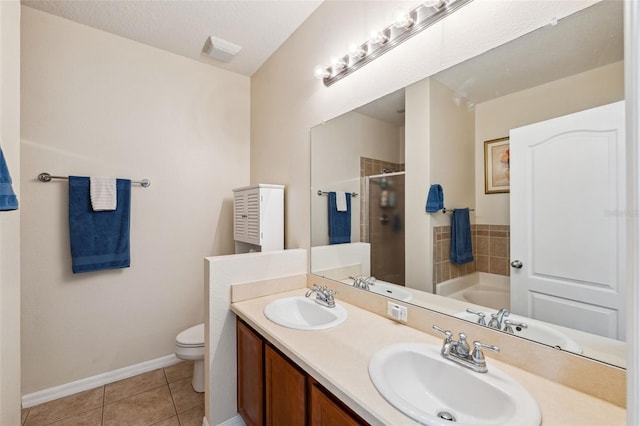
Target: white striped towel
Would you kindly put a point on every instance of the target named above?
(103, 193)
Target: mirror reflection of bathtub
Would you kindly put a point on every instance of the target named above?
(479, 288)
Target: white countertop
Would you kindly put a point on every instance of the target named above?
(338, 358)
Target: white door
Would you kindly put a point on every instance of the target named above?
(567, 220)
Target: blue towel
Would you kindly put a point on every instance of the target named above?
(461, 248)
(8, 199)
(435, 199)
(339, 222)
(99, 239)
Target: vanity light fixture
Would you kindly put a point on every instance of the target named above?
(405, 26)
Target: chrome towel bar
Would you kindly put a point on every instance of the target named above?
(46, 177)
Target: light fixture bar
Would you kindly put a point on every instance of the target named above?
(421, 17)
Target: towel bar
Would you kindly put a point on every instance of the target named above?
(46, 177)
(353, 194)
(444, 210)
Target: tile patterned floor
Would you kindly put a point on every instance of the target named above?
(162, 397)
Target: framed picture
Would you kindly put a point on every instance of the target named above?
(496, 166)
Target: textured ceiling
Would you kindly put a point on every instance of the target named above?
(182, 27)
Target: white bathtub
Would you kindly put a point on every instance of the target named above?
(479, 288)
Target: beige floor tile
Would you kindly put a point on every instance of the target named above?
(68, 406)
(184, 397)
(25, 411)
(171, 421)
(143, 409)
(193, 416)
(133, 385)
(179, 371)
(90, 418)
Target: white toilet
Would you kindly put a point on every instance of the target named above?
(190, 346)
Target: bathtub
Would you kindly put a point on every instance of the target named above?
(479, 288)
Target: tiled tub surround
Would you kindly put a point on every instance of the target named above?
(338, 359)
(490, 252)
(162, 397)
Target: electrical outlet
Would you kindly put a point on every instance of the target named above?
(397, 312)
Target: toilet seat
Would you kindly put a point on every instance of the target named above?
(192, 337)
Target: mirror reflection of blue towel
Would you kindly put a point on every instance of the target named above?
(8, 199)
(99, 239)
(435, 199)
(339, 222)
(461, 247)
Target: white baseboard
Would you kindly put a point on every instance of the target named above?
(92, 382)
(233, 421)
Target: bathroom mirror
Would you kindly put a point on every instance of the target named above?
(384, 157)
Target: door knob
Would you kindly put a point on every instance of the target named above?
(516, 264)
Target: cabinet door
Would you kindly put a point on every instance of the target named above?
(285, 391)
(239, 216)
(253, 216)
(246, 216)
(326, 411)
(250, 353)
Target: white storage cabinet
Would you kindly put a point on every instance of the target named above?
(258, 218)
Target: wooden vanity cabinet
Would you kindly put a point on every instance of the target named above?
(274, 391)
(326, 410)
(250, 358)
(285, 391)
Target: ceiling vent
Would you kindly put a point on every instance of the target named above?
(219, 49)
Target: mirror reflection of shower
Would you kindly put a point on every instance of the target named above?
(384, 214)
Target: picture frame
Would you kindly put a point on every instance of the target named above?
(496, 166)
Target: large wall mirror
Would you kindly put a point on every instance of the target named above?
(545, 235)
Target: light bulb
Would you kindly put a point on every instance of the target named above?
(434, 3)
(402, 20)
(337, 64)
(378, 37)
(356, 52)
(320, 72)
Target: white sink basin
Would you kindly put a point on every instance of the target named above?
(536, 330)
(303, 313)
(386, 289)
(422, 384)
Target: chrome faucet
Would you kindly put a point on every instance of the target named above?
(460, 353)
(324, 296)
(363, 282)
(497, 318)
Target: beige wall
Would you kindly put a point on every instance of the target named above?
(286, 101)
(440, 149)
(495, 118)
(10, 220)
(97, 104)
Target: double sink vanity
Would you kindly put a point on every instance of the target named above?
(305, 357)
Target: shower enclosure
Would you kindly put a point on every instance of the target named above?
(384, 215)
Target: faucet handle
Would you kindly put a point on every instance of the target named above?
(481, 316)
(509, 324)
(447, 334)
(477, 355)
